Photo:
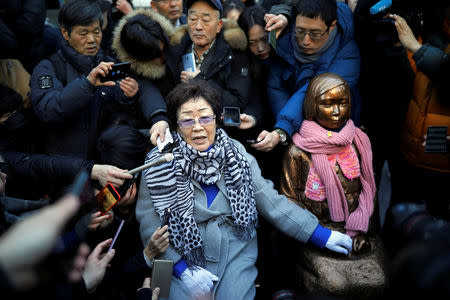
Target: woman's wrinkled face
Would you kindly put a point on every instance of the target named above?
(195, 124)
(333, 107)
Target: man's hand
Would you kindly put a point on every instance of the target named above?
(29, 241)
(129, 87)
(247, 121)
(124, 6)
(268, 141)
(158, 129)
(97, 220)
(101, 70)
(275, 22)
(128, 199)
(96, 265)
(105, 174)
(159, 242)
(405, 34)
(185, 75)
(146, 286)
(2, 182)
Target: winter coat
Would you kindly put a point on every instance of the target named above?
(155, 81)
(429, 105)
(226, 66)
(231, 259)
(289, 79)
(71, 107)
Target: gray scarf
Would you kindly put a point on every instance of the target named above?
(302, 57)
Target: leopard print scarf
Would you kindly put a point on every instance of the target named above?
(171, 187)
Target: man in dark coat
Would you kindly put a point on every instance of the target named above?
(218, 47)
(68, 95)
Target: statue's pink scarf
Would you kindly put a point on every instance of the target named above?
(320, 142)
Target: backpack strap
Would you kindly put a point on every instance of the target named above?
(59, 64)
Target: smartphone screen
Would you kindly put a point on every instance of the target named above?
(436, 139)
(189, 62)
(231, 116)
(162, 276)
(107, 198)
(119, 71)
(272, 39)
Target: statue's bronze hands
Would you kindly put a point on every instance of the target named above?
(361, 245)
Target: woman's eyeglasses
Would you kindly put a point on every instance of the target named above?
(300, 34)
(203, 121)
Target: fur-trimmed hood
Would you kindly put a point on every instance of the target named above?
(146, 69)
(232, 33)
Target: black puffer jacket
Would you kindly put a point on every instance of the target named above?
(71, 107)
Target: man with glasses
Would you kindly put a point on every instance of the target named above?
(172, 10)
(321, 41)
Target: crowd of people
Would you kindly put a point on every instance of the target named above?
(107, 172)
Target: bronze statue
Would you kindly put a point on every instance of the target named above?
(327, 169)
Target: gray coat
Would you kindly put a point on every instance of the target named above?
(231, 259)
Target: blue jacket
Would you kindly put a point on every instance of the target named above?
(289, 79)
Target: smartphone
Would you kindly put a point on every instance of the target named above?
(231, 116)
(436, 141)
(189, 62)
(116, 235)
(272, 39)
(162, 276)
(119, 71)
(107, 198)
(253, 141)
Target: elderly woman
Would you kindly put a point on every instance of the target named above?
(328, 171)
(211, 195)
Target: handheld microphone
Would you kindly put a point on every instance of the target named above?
(159, 160)
(380, 6)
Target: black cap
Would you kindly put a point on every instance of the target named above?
(216, 4)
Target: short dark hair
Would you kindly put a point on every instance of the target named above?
(253, 15)
(79, 13)
(122, 146)
(323, 9)
(192, 89)
(140, 37)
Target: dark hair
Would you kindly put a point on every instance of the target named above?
(122, 146)
(192, 89)
(10, 100)
(79, 13)
(253, 15)
(323, 9)
(140, 37)
(233, 4)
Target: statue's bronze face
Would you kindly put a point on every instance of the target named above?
(333, 107)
